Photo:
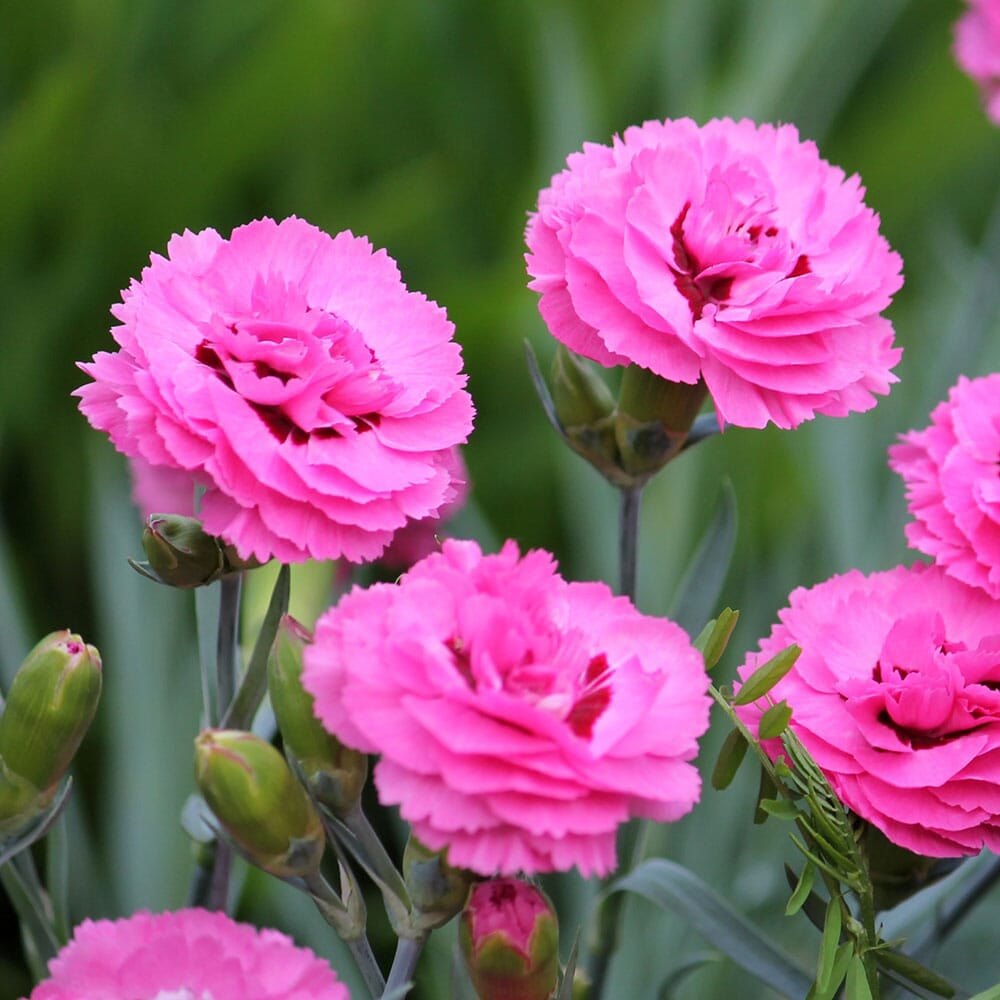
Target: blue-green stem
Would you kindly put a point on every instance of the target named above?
(211, 878)
(628, 540)
(404, 962)
(631, 841)
(359, 946)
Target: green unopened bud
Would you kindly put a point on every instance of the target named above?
(48, 711)
(653, 421)
(179, 551)
(335, 774)
(181, 554)
(254, 795)
(510, 941)
(437, 890)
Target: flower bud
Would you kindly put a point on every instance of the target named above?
(335, 774)
(179, 551)
(653, 420)
(437, 890)
(510, 941)
(581, 397)
(49, 709)
(254, 795)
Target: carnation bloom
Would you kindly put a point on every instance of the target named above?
(977, 49)
(730, 253)
(520, 718)
(187, 955)
(897, 698)
(952, 475)
(420, 538)
(294, 377)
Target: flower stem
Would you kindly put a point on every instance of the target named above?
(404, 962)
(628, 539)
(361, 950)
(228, 638)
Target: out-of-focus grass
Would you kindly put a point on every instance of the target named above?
(430, 127)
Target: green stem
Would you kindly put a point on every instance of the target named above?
(227, 641)
(628, 539)
(404, 962)
(378, 861)
(331, 905)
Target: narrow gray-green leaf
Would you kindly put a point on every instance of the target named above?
(57, 877)
(542, 389)
(690, 965)
(765, 790)
(702, 581)
(677, 890)
(764, 678)
(240, 713)
(24, 893)
(569, 973)
(731, 755)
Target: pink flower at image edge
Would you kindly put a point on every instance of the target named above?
(952, 474)
(731, 253)
(977, 50)
(195, 953)
(294, 377)
(896, 696)
(519, 718)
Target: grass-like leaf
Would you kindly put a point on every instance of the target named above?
(674, 888)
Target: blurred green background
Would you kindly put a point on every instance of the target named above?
(430, 126)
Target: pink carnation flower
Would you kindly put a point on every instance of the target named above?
(420, 538)
(294, 377)
(977, 49)
(952, 475)
(897, 698)
(187, 955)
(520, 718)
(730, 253)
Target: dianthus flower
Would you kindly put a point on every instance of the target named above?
(295, 378)
(896, 696)
(730, 253)
(520, 718)
(952, 475)
(977, 50)
(187, 955)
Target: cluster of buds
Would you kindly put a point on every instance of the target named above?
(49, 708)
(627, 439)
